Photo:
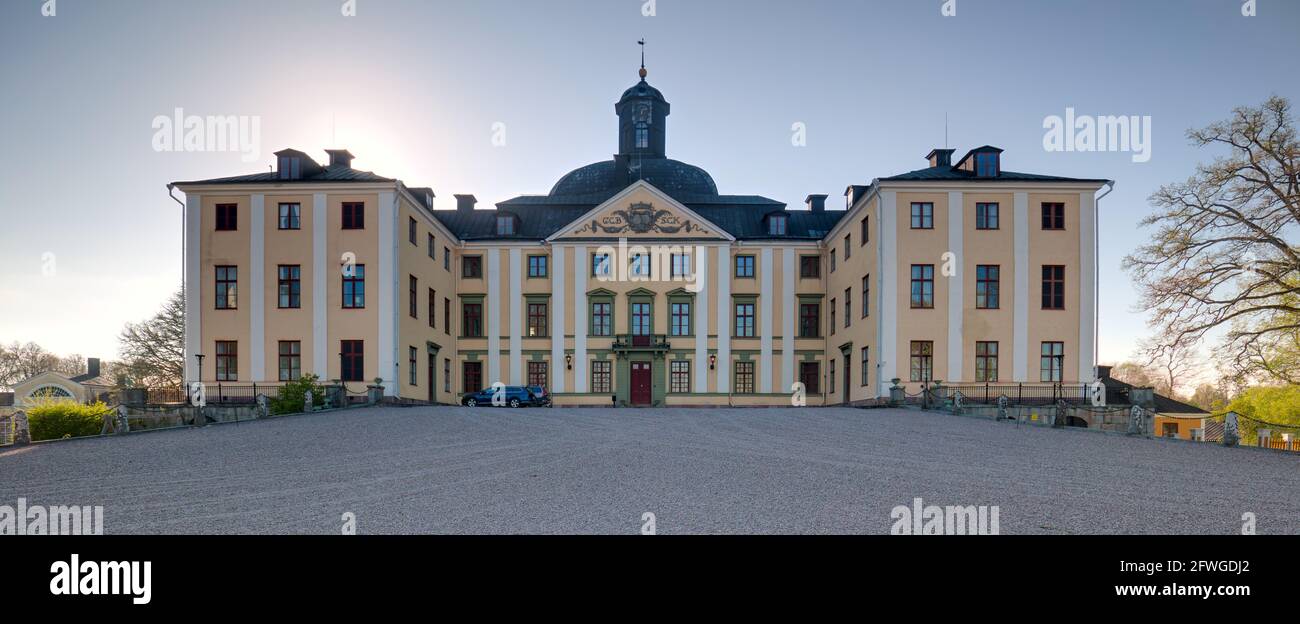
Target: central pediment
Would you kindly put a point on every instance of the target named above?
(641, 211)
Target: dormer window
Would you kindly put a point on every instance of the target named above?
(986, 165)
(505, 225)
(776, 225)
(290, 168)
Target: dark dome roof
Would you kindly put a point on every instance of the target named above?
(642, 89)
(671, 176)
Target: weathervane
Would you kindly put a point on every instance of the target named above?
(642, 44)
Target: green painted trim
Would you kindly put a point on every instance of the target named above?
(528, 266)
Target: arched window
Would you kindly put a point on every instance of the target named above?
(50, 392)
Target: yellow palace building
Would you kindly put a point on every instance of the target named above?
(635, 281)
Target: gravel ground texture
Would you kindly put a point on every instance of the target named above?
(488, 471)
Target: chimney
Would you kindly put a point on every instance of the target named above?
(92, 367)
(340, 158)
(465, 203)
(1103, 372)
(816, 203)
(940, 157)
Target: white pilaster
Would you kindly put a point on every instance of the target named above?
(580, 268)
(516, 317)
(788, 313)
(492, 308)
(887, 280)
(193, 286)
(1020, 311)
(320, 273)
(724, 319)
(388, 292)
(956, 290)
(1087, 275)
(766, 363)
(257, 287)
(557, 318)
(702, 319)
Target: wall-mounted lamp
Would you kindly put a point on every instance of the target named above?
(713, 360)
(568, 360)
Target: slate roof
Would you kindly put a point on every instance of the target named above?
(951, 174)
(1118, 392)
(670, 176)
(326, 174)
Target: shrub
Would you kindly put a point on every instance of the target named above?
(289, 400)
(54, 420)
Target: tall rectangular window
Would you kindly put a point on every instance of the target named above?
(866, 369)
(810, 267)
(227, 217)
(413, 297)
(811, 375)
(412, 366)
(227, 360)
(641, 319)
(744, 266)
(681, 319)
(537, 374)
(832, 261)
(290, 285)
(640, 265)
(600, 265)
(848, 247)
(744, 378)
(446, 259)
(744, 320)
(471, 267)
(412, 230)
(922, 285)
(866, 295)
(1052, 362)
(987, 286)
(922, 216)
(354, 216)
(601, 323)
(922, 364)
(679, 376)
(682, 265)
(602, 377)
(290, 216)
(832, 323)
(866, 230)
(848, 307)
(986, 361)
(537, 320)
(290, 360)
(537, 266)
(446, 374)
(432, 248)
(354, 286)
(810, 320)
(1053, 216)
(471, 374)
(353, 360)
(471, 320)
(986, 216)
(446, 316)
(1053, 287)
(227, 288)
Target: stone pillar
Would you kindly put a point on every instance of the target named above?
(123, 425)
(896, 396)
(22, 434)
(1136, 421)
(374, 394)
(263, 406)
(1264, 437)
(1230, 431)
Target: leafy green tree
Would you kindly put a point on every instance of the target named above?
(1278, 406)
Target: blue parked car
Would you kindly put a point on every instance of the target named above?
(514, 396)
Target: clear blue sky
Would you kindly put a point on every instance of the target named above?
(413, 88)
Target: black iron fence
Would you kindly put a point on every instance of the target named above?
(1022, 393)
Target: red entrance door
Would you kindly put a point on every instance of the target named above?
(640, 383)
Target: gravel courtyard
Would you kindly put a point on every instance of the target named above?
(461, 470)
